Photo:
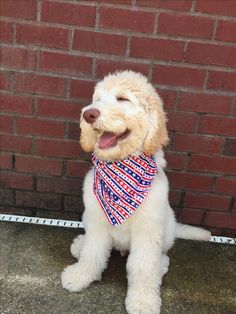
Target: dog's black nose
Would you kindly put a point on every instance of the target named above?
(91, 115)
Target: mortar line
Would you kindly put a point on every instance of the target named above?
(71, 38)
(156, 20)
(193, 6)
(97, 17)
(214, 30)
(38, 12)
(128, 44)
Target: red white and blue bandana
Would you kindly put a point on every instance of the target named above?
(121, 186)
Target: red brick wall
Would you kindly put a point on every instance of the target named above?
(52, 53)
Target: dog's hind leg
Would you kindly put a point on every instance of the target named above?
(77, 245)
(93, 259)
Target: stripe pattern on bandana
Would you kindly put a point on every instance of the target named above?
(121, 186)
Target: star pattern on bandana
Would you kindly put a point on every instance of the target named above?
(121, 186)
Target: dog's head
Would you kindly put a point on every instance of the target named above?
(126, 117)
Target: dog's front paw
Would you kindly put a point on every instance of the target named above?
(136, 303)
(76, 246)
(73, 279)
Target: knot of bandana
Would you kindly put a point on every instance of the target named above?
(121, 186)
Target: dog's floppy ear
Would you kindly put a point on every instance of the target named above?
(87, 136)
(157, 135)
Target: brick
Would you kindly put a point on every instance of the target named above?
(5, 161)
(6, 32)
(234, 109)
(17, 58)
(52, 148)
(234, 205)
(189, 181)
(226, 185)
(197, 143)
(59, 109)
(22, 9)
(16, 103)
(40, 127)
(38, 200)
(6, 197)
(217, 125)
(225, 232)
(185, 25)
(15, 143)
(73, 203)
(62, 185)
(128, 20)
(181, 121)
(175, 161)
(191, 216)
(230, 147)
(56, 214)
(64, 63)
(178, 76)
(6, 124)
(213, 164)
(175, 197)
(180, 5)
(16, 181)
(160, 49)
(38, 165)
(82, 89)
(68, 13)
(217, 231)
(39, 35)
(217, 7)
(206, 103)
(177, 212)
(73, 131)
(221, 220)
(39, 84)
(99, 42)
(226, 31)
(105, 67)
(77, 169)
(222, 81)
(5, 80)
(15, 211)
(211, 54)
(207, 201)
(168, 97)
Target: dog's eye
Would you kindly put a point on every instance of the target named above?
(120, 98)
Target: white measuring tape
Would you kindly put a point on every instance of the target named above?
(79, 224)
(42, 221)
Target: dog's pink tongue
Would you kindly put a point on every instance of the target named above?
(107, 140)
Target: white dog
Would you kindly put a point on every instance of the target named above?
(126, 192)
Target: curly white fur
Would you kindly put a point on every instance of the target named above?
(150, 232)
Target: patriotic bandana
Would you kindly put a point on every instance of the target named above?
(121, 186)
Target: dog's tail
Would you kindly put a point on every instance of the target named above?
(192, 233)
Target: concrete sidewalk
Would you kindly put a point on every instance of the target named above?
(201, 278)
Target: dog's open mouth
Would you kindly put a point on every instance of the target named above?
(110, 139)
